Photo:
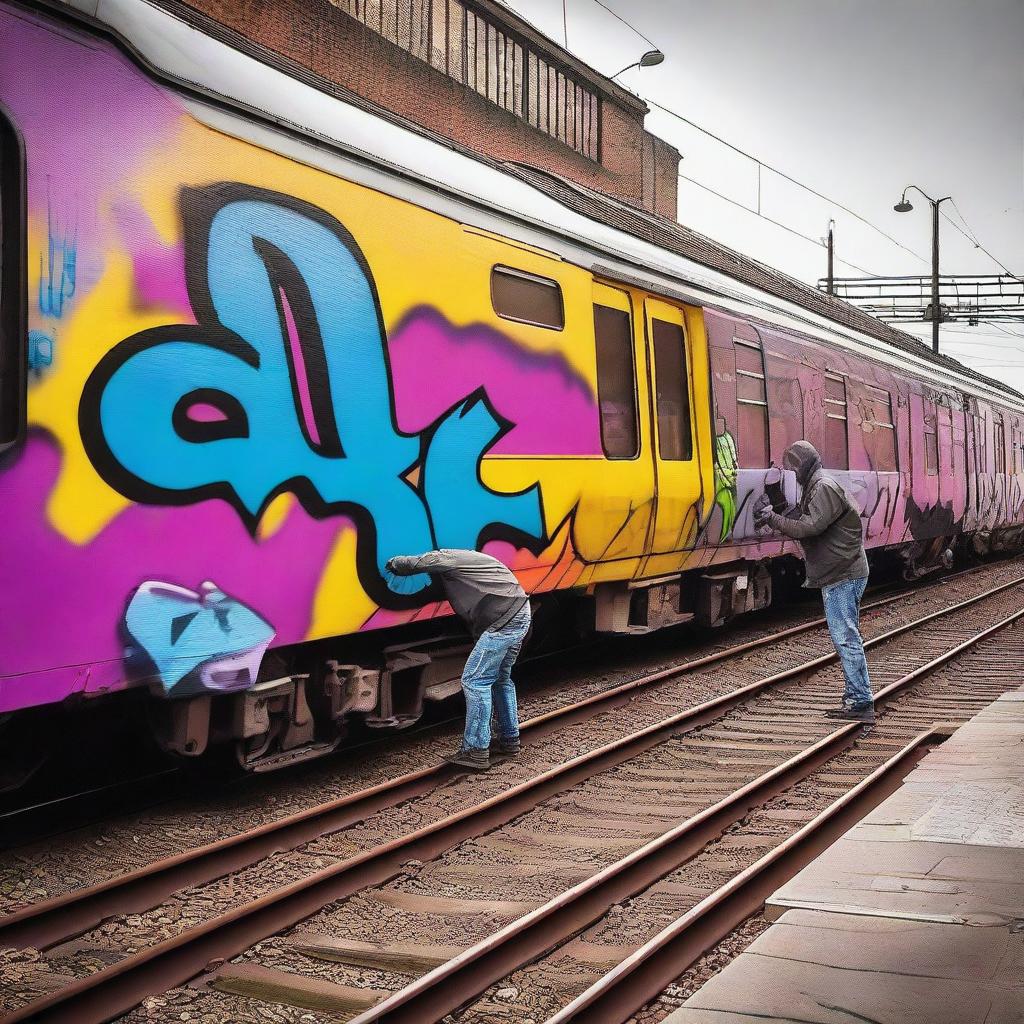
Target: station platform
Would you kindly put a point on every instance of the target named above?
(915, 916)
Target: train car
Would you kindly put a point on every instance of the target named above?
(255, 340)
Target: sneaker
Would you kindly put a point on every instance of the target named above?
(840, 712)
(466, 757)
(508, 748)
(864, 713)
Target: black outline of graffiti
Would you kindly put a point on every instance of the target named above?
(198, 208)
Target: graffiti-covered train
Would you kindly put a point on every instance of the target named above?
(255, 340)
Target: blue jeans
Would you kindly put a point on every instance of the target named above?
(842, 612)
(489, 672)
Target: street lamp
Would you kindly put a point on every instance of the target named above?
(903, 206)
(648, 60)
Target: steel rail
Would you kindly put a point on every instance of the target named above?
(645, 974)
(466, 976)
(49, 922)
(117, 988)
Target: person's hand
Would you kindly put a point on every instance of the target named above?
(762, 512)
(390, 565)
(762, 507)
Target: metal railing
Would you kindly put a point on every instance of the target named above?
(457, 39)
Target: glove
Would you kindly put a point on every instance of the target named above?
(763, 512)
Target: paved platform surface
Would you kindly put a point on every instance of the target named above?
(916, 916)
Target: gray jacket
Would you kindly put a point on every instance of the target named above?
(484, 593)
(825, 522)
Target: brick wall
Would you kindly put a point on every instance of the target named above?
(660, 176)
(314, 35)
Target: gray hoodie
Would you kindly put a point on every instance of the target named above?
(825, 522)
(484, 593)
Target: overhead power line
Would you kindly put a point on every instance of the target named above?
(764, 166)
(628, 25)
(968, 234)
(973, 239)
(1003, 330)
(771, 220)
(786, 177)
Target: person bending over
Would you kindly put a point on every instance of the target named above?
(488, 598)
(827, 525)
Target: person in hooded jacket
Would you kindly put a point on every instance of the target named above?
(488, 598)
(827, 525)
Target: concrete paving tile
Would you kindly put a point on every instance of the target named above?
(766, 989)
(927, 881)
(979, 813)
(914, 897)
(895, 946)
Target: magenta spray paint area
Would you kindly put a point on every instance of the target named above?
(189, 642)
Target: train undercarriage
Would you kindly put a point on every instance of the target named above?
(312, 699)
(307, 701)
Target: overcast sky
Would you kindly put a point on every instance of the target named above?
(855, 98)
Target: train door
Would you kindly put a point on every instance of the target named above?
(985, 486)
(1016, 457)
(676, 363)
(959, 447)
(970, 461)
(615, 516)
(999, 466)
(948, 484)
(753, 426)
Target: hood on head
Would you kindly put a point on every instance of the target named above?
(803, 459)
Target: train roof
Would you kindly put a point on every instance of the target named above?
(684, 241)
(198, 54)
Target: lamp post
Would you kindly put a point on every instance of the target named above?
(904, 207)
(648, 60)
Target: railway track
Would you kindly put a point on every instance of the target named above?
(647, 882)
(576, 789)
(49, 922)
(769, 845)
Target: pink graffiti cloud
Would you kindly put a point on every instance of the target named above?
(551, 408)
(89, 585)
(158, 268)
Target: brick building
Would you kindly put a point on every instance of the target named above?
(469, 70)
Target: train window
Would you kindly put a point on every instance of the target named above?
(675, 441)
(12, 286)
(879, 430)
(751, 405)
(616, 382)
(999, 446)
(931, 449)
(527, 298)
(980, 444)
(836, 451)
